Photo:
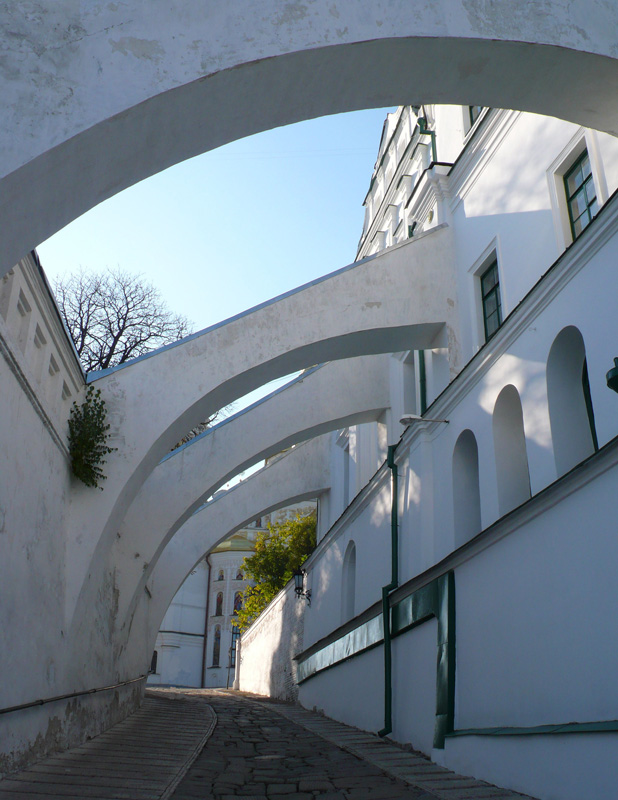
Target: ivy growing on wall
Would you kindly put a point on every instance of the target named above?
(88, 438)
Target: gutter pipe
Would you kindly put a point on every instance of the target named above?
(424, 131)
(386, 590)
(69, 696)
(422, 381)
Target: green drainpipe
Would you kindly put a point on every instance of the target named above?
(423, 130)
(386, 590)
(422, 381)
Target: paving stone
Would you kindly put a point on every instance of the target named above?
(120, 765)
(309, 785)
(259, 750)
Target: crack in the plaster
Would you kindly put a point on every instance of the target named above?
(88, 35)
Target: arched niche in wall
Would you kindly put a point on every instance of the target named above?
(466, 491)
(510, 449)
(568, 396)
(348, 583)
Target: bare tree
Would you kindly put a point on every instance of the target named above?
(114, 316)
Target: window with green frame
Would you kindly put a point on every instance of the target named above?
(490, 296)
(581, 194)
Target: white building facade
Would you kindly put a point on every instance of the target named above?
(529, 697)
(452, 590)
(196, 644)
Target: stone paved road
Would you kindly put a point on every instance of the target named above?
(264, 750)
(258, 749)
(141, 758)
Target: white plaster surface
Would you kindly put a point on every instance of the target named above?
(268, 647)
(568, 767)
(352, 692)
(414, 686)
(82, 82)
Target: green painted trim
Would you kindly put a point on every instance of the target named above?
(386, 590)
(357, 641)
(608, 726)
(435, 599)
(422, 381)
(416, 608)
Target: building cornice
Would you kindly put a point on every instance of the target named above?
(479, 151)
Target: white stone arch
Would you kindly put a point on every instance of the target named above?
(187, 381)
(466, 488)
(512, 472)
(302, 474)
(348, 392)
(570, 411)
(348, 582)
(98, 97)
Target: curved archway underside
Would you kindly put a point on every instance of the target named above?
(301, 474)
(348, 392)
(96, 99)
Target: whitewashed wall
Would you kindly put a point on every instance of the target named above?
(266, 665)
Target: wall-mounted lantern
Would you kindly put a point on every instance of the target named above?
(299, 585)
(612, 376)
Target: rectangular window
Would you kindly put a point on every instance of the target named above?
(490, 295)
(581, 194)
(474, 113)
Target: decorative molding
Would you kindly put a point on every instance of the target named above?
(31, 394)
(478, 151)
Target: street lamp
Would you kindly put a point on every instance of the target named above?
(299, 585)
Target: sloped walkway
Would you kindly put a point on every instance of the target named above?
(409, 766)
(221, 745)
(141, 758)
(266, 750)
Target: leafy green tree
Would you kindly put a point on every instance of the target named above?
(279, 552)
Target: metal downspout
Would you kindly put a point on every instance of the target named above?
(203, 681)
(386, 590)
(422, 381)
(424, 131)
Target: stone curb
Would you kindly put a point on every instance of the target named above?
(120, 763)
(171, 788)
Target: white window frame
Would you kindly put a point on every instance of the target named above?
(583, 139)
(489, 254)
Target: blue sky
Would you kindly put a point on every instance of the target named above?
(229, 229)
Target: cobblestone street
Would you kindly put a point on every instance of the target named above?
(216, 745)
